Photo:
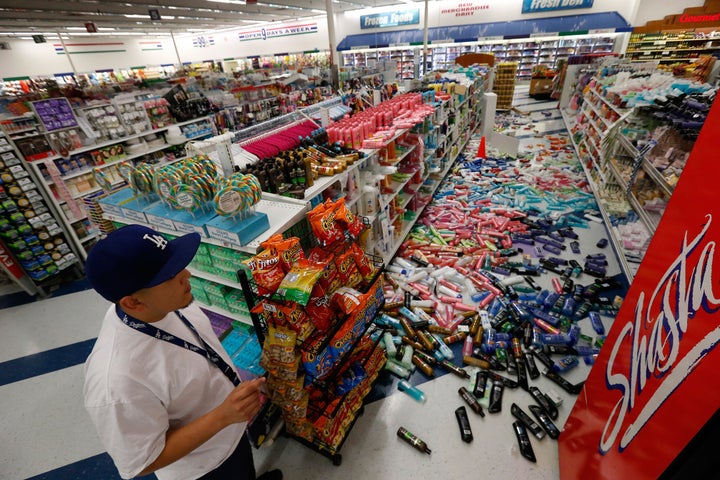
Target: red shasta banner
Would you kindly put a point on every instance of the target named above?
(656, 380)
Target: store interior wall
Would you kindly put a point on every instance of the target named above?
(26, 58)
(441, 14)
(657, 9)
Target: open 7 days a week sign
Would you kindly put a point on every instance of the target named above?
(656, 382)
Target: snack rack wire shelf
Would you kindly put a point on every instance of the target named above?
(329, 403)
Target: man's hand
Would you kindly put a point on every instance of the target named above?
(243, 403)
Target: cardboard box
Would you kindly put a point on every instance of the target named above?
(160, 216)
(134, 208)
(186, 222)
(541, 86)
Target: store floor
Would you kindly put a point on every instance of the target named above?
(47, 434)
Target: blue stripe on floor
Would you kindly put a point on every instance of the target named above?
(45, 362)
(93, 468)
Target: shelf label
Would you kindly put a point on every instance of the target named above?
(663, 346)
(544, 34)
(497, 38)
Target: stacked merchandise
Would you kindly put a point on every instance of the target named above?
(223, 263)
(27, 226)
(318, 307)
(504, 85)
(189, 195)
(290, 172)
(634, 131)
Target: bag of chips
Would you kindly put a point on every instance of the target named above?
(299, 281)
(290, 250)
(323, 223)
(320, 309)
(266, 270)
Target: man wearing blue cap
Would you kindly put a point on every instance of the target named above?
(159, 387)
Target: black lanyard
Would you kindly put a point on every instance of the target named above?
(207, 352)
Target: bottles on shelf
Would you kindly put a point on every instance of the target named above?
(672, 46)
(527, 53)
(633, 132)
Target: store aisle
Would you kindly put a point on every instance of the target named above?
(49, 436)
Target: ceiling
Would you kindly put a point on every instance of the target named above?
(21, 18)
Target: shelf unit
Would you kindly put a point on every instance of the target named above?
(527, 53)
(70, 179)
(35, 251)
(457, 117)
(672, 46)
(405, 60)
(632, 159)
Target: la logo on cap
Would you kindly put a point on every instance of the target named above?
(158, 240)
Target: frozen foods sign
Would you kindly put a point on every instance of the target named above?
(284, 31)
(390, 19)
(534, 6)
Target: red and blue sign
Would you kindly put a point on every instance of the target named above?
(654, 385)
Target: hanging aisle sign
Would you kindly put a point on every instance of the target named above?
(284, 31)
(654, 384)
(534, 6)
(390, 19)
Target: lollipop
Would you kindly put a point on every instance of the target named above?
(102, 179)
(186, 197)
(125, 169)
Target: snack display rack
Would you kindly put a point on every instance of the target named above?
(315, 411)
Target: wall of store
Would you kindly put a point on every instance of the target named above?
(658, 9)
(26, 58)
(459, 12)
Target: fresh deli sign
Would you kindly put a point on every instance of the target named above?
(285, 31)
(390, 19)
(534, 6)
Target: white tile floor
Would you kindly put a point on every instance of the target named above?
(45, 426)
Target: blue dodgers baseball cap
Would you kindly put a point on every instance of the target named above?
(136, 257)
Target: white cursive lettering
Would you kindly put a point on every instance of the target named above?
(676, 299)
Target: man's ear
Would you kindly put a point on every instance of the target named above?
(130, 304)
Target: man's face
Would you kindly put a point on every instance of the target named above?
(169, 296)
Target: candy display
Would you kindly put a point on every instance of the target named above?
(186, 185)
(27, 227)
(237, 194)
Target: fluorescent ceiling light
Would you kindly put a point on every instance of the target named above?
(315, 10)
